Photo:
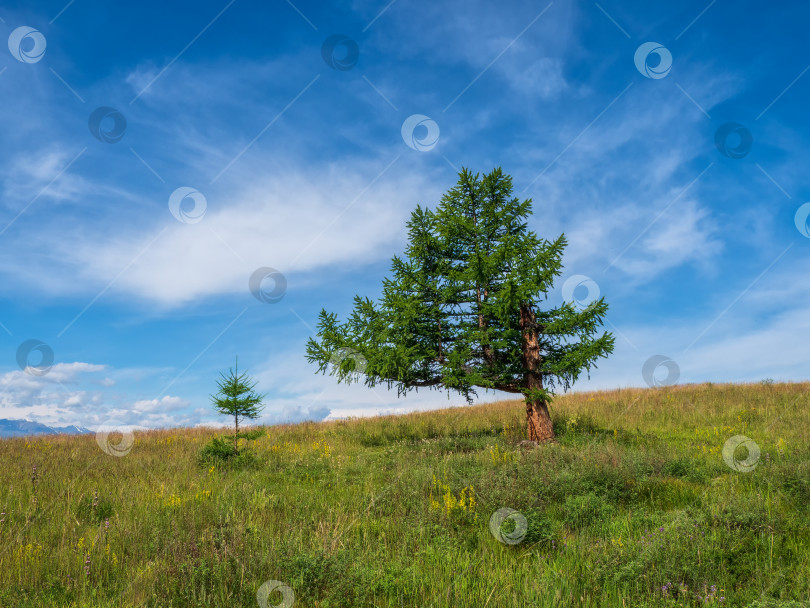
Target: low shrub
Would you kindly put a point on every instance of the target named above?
(541, 529)
(220, 451)
(217, 450)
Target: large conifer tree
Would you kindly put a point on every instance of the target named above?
(462, 309)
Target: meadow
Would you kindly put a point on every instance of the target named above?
(636, 504)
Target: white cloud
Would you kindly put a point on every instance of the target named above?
(52, 400)
(166, 404)
(47, 398)
(145, 414)
(290, 222)
(65, 373)
(213, 424)
(50, 174)
(68, 372)
(543, 79)
(683, 234)
(722, 344)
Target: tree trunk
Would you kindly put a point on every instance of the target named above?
(538, 421)
(236, 436)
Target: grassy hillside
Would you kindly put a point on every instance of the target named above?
(634, 506)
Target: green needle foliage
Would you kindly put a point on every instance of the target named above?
(462, 309)
(237, 398)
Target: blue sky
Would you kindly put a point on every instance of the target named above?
(291, 139)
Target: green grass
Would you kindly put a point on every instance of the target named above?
(634, 506)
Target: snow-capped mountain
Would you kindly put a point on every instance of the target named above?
(23, 428)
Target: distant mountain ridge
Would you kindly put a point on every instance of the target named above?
(25, 428)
